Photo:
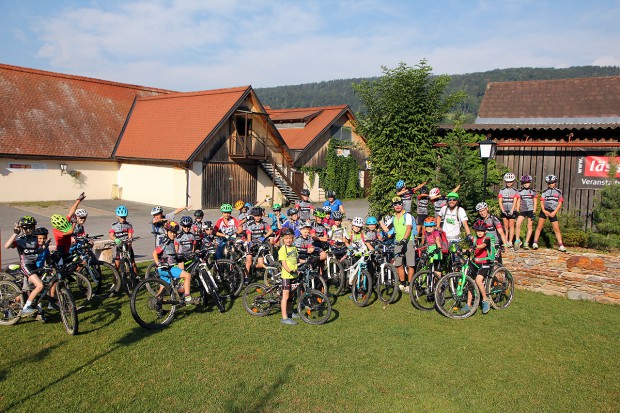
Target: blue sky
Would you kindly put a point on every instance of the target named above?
(190, 45)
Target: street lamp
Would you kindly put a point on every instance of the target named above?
(487, 151)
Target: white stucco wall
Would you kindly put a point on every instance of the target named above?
(157, 185)
(40, 180)
(265, 188)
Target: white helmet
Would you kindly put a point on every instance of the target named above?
(434, 192)
(551, 179)
(509, 177)
(157, 210)
(481, 205)
(387, 220)
(81, 213)
(358, 222)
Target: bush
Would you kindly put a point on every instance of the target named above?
(603, 242)
(575, 238)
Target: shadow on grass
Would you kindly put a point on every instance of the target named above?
(103, 313)
(260, 398)
(129, 338)
(31, 358)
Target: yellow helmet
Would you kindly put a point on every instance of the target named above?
(239, 204)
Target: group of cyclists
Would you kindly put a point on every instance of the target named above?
(307, 232)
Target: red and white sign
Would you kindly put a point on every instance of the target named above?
(598, 166)
(593, 172)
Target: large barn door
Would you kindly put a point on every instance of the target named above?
(227, 182)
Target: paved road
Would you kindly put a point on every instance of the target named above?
(101, 216)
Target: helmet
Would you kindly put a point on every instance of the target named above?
(199, 213)
(305, 192)
(121, 211)
(287, 231)
(256, 211)
(186, 221)
(337, 216)
(509, 177)
(27, 221)
(424, 190)
(550, 179)
(292, 211)
(81, 213)
(306, 224)
(156, 210)
(429, 222)
(226, 208)
(358, 222)
(319, 213)
(387, 220)
(277, 207)
(400, 184)
(481, 206)
(371, 221)
(397, 200)
(171, 226)
(452, 195)
(327, 209)
(434, 192)
(207, 225)
(330, 194)
(40, 231)
(239, 204)
(479, 225)
(60, 223)
(525, 179)
(248, 205)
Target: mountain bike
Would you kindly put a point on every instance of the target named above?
(13, 298)
(423, 282)
(500, 287)
(128, 276)
(359, 279)
(333, 272)
(103, 275)
(454, 290)
(381, 267)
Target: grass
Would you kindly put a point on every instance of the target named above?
(544, 354)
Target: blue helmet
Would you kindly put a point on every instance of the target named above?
(248, 205)
(121, 211)
(400, 184)
(371, 221)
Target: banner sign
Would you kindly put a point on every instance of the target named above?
(592, 172)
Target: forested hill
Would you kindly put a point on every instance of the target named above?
(338, 92)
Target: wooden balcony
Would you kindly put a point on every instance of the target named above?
(242, 147)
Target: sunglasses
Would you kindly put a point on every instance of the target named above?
(397, 204)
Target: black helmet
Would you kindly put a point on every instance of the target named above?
(256, 211)
(207, 224)
(337, 216)
(305, 192)
(480, 225)
(27, 221)
(287, 231)
(40, 231)
(330, 194)
(292, 211)
(199, 213)
(186, 221)
(424, 190)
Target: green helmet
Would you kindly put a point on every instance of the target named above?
(226, 208)
(27, 221)
(60, 223)
(452, 195)
(276, 207)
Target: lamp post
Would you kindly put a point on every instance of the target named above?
(487, 151)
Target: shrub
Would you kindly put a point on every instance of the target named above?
(603, 242)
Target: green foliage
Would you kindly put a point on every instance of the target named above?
(571, 227)
(602, 242)
(341, 173)
(404, 108)
(606, 214)
(312, 172)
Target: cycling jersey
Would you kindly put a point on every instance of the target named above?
(186, 241)
(62, 239)
(439, 203)
(452, 219)
(358, 242)
(227, 227)
(166, 250)
(121, 230)
(400, 226)
(334, 205)
(305, 209)
(423, 205)
(27, 248)
(294, 225)
(274, 221)
(508, 196)
(550, 198)
(430, 238)
(289, 255)
(244, 216)
(337, 234)
(302, 244)
(408, 195)
(492, 223)
(527, 197)
(371, 236)
(318, 229)
(256, 230)
(158, 229)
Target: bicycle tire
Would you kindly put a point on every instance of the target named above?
(128, 276)
(11, 302)
(108, 278)
(422, 294)
(67, 309)
(273, 273)
(151, 271)
(361, 290)
(259, 299)
(230, 272)
(387, 284)
(81, 289)
(453, 304)
(153, 312)
(335, 277)
(313, 307)
(215, 295)
(500, 288)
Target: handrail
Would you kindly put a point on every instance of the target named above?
(285, 177)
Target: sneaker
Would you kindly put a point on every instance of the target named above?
(466, 308)
(406, 290)
(562, 248)
(486, 306)
(294, 315)
(288, 321)
(41, 318)
(517, 244)
(509, 245)
(188, 299)
(526, 246)
(28, 310)
(535, 246)
(401, 287)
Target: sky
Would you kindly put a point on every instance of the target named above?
(191, 45)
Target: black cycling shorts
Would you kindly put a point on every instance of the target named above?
(287, 283)
(511, 216)
(527, 214)
(421, 219)
(551, 219)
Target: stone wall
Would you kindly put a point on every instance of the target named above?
(577, 275)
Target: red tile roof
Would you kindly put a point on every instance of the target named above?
(57, 115)
(551, 100)
(158, 125)
(320, 119)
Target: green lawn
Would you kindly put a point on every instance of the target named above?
(541, 354)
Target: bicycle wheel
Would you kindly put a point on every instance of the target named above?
(105, 276)
(500, 288)
(361, 290)
(11, 302)
(151, 271)
(451, 295)
(67, 308)
(387, 283)
(273, 273)
(128, 276)
(215, 293)
(313, 307)
(153, 311)
(335, 277)
(258, 299)
(80, 287)
(233, 275)
(421, 290)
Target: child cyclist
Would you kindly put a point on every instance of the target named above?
(165, 253)
(509, 203)
(372, 234)
(431, 240)
(288, 256)
(551, 201)
(527, 208)
(121, 231)
(484, 254)
(185, 240)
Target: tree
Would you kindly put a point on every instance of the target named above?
(404, 109)
(606, 214)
